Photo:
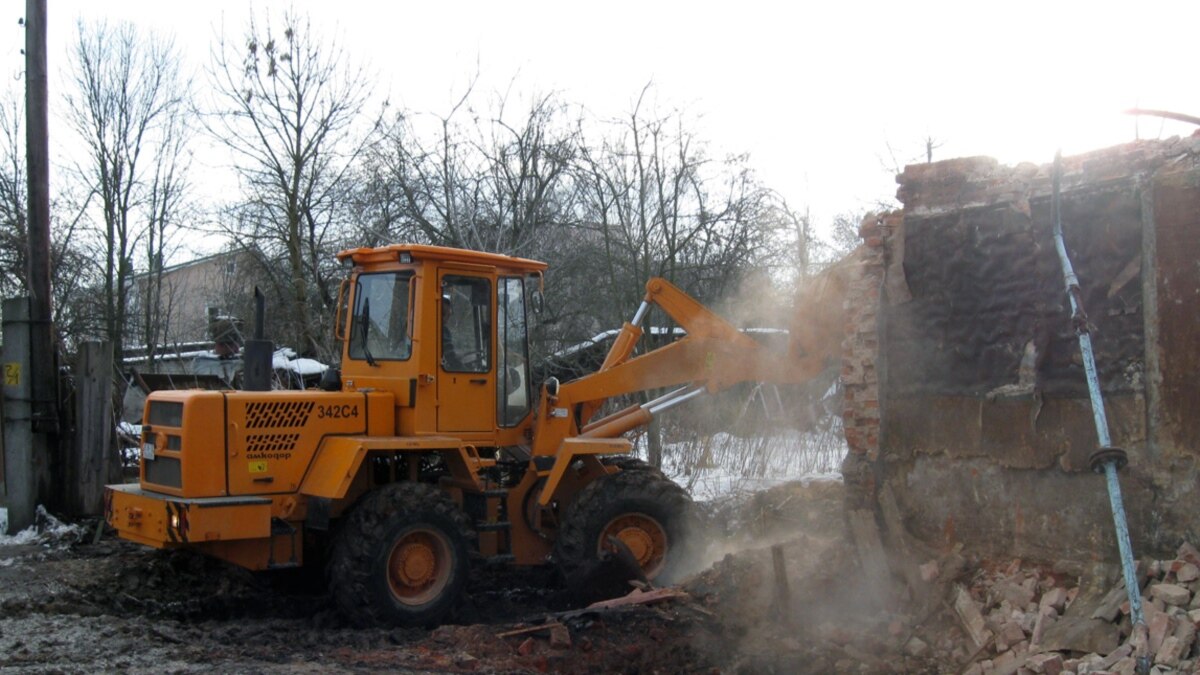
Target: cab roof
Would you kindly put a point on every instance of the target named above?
(423, 252)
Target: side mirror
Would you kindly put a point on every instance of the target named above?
(339, 317)
(537, 301)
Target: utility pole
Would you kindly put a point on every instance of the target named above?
(30, 372)
(37, 141)
(38, 148)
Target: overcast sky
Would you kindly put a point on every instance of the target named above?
(816, 95)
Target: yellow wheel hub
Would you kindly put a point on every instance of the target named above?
(415, 564)
(644, 536)
(418, 566)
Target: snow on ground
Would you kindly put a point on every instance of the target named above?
(46, 529)
(724, 464)
(134, 430)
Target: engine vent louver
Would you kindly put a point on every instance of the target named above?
(271, 442)
(277, 414)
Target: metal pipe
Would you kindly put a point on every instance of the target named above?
(611, 429)
(610, 418)
(1079, 319)
(635, 416)
(259, 311)
(666, 397)
(625, 412)
(641, 313)
(664, 406)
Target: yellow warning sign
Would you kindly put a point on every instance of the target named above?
(12, 374)
(258, 467)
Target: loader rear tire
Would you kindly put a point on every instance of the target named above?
(653, 517)
(401, 557)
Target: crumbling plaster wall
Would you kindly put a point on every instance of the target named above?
(964, 389)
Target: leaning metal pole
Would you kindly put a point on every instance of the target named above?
(1107, 459)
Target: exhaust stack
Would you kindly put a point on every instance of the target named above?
(256, 358)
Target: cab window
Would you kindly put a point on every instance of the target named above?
(379, 326)
(512, 378)
(466, 324)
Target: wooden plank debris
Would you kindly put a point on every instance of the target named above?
(783, 594)
(550, 625)
(640, 597)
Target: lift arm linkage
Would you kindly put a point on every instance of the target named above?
(714, 355)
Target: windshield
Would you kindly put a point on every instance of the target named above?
(379, 324)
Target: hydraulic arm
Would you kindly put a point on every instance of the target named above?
(714, 355)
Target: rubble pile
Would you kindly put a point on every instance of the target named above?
(1030, 620)
(822, 608)
(800, 585)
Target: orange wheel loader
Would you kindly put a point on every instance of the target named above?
(429, 451)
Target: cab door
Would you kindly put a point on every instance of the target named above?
(466, 378)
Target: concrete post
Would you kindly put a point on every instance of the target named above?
(20, 476)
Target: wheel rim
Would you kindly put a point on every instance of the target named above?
(419, 566)
(644, 536)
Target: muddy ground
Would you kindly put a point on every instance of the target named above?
(86, 607)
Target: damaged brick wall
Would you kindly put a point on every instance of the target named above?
(963, 381)
(860, 356)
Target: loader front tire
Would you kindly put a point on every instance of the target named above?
(627, 463)
(401, 557)
(652, 517)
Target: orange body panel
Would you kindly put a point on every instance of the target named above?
(196, 431)
(571, 449)
(161, 521)
(274, 435)
(258, 554)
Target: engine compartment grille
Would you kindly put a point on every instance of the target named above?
(271, 442)
(277, 414)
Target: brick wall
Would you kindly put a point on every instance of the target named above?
(860, 356)
(964, 388)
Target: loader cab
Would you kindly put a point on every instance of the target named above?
(446, 331)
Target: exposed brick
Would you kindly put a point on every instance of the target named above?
(1047, 664)
(1187, 572)
(1169, 653)
(1171, 594)
(1055, 597)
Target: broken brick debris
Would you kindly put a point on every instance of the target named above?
(1066, 618)
(972, 618)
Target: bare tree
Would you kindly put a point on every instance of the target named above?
(13, 197)
(490, 180)
(287, 105)
(127, 94)
(841, 238)
(654, 204)
(72, 271)
(167, 203)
